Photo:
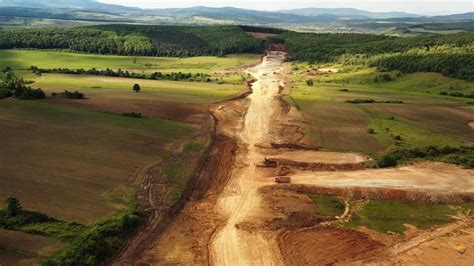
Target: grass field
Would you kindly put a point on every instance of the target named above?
(327, 205)
(391, 215)
(424, 118)
(211, 65)
(98, 87)
(66, 162)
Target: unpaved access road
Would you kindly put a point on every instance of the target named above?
(231, 217)
(240, 200)
(427, 176)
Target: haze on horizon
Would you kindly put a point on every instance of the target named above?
(422, 7)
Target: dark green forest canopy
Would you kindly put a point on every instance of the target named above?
(178, 41)
(449, 54)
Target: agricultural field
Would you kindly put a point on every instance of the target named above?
(172, 145)
(411, 106)
(226, 69)
(82, 158)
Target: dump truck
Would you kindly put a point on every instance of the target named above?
(282, 179)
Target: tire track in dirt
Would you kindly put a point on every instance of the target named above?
(240, 200)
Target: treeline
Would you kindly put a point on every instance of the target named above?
(175, 76)
(11, 85)
(451, 54)
(249, 28)
(144, 40)
(463, 155)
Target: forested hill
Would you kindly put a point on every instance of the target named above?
(147, 40)
(449, 54)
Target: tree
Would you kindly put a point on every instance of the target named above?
(13, 206)
(136, 88)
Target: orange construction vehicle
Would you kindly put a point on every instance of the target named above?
(283, 179)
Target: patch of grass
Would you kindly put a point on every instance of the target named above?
(327, 205)
(412, 135)
(469, 206)
(390, 215)
(181, 171)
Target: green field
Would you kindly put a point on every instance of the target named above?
(23, 59)
(424, 118)
(391, 215)
(98, 87)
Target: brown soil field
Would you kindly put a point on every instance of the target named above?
(326, 246)
(429, 176)
(17, 248)
(339, 126)
(442, 119)
(183, 112)
(325, 157)
(69, 163)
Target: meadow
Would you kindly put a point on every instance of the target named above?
(422, 117)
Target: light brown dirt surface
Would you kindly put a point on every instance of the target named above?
(320, 157)
(240, 201)
(326, 246)
(237, 215)
(428, 176)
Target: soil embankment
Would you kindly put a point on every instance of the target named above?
(237, 215)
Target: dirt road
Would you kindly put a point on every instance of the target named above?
(237, 215)
(240, 200)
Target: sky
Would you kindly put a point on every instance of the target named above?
(424, 7)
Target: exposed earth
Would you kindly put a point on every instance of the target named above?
(237, 215)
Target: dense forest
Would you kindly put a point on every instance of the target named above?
(180, 41)
(449, 54)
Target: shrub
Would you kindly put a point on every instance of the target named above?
(133, 114)
(5, 94)
(387, 161)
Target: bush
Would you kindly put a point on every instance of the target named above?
(387, 161)
(69, 95)
(99, 243)
(5, 94)
(27, 93)
(133, 114)
(310, 82)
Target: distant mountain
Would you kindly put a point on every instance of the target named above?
(62, 14)
(350, 13)
(91, 10)
(464, 16)
(238, 15)
(69, 4)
